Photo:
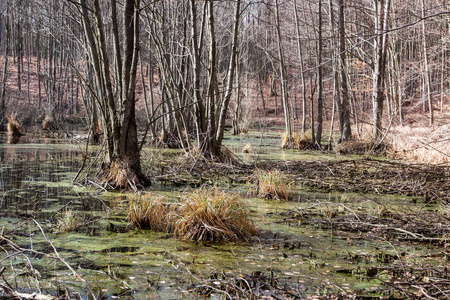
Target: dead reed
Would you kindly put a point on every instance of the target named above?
(213, 215)
(248, 148)
(421, 144)
(149, 211)
(202, 215)
(13, 127)
(68, 221)
(296, 141)
(49, 123)
(273, 184)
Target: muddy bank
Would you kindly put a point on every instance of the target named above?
(365, 175)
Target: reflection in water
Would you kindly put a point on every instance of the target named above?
(12, 139)
(34, 176)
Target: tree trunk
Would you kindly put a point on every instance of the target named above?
(381, 8)
(283, 76)
(302, 72)
(344, 110)
(117, 112)
(319, 82)
(5, 75)
(230, 76)
(209, 146)
(198, 102)
(426, 73)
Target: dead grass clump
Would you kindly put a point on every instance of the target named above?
(68, 221)
(227, 156)
(202, 215)
(213, 215)
(13, 127)
(248, 148)
(199, 158)
(421, 144)
(296, 141)
(118, 174)
(149, 212)
(273, 184)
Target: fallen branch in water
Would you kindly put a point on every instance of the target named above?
(12, 294)
(65, 263)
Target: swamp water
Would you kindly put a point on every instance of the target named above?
(300, 252)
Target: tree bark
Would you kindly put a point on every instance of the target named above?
(230, 76)
(117, 112)
(302, 72)
(426, 73)
(381, 8)
(320, 99)
(344, 110)
(283, 75)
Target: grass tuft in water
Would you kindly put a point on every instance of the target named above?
(150, 211)
(213, 215)
(296, 141)
(273, 184)
(248, 148)
(202, 215)
(68, 221)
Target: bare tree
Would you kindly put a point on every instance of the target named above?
(283, 75)
(117, 110)
(381, 10)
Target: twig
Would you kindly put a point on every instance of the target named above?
(424, 292)
(215, 289)
(328, 203)
(97, 185)
(64, 262)
(434, 148)
(13, 294)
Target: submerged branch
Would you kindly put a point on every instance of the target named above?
(65, 263)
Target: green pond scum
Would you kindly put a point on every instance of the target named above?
(317, 245)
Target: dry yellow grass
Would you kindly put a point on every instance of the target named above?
(149, 211)
(248, 148)
(421, 144)
(363, 146)
(273, 184)
(13, 127)
(48, 123)
(67, 221)
(297, 141)
(202, 215)
(213, 215)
